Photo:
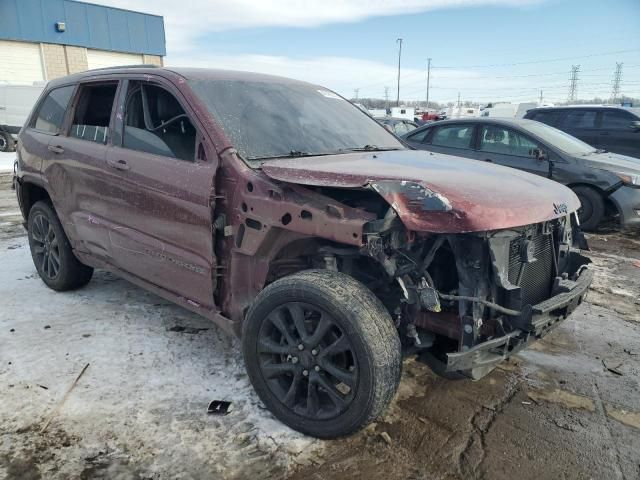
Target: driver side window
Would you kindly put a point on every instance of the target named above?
(154, 122)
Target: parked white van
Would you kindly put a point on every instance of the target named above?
(16, 101)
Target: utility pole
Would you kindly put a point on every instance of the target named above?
(617, 79)
(573, 86)
(428, 78)
(386, 98)
(399, 40)
(355, 93)
(540, 103)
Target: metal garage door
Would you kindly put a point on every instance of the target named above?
(101, 59)
(20, 62)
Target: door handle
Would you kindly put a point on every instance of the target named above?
(118, 164)
(55, 149)
(488, 160)
(604, 133)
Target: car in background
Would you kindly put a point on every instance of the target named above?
(606, 183)
(399, 126)
(612, 128)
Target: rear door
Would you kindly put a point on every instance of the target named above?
(505, 146)
(582, 123)
(616, 133)
(76, 170)
(452, 139)
(162, 172)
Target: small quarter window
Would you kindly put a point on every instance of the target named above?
(93, 113)
(51, 111)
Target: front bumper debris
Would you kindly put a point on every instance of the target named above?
(480, 359)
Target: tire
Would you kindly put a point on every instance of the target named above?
(50, 248)
(6, 142)
(591, 207)
(353, 383)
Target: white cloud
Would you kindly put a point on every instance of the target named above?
(186, 21)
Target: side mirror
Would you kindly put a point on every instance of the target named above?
(635, 125)
(539, 154)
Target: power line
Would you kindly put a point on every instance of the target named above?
(548, 60)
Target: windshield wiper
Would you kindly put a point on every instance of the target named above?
(368, 148)
(291, 154)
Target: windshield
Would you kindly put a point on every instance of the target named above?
(267, 120)
(559, 139)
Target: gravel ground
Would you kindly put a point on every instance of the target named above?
(566, 408)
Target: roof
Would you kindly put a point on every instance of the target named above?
(188, 73)
(86, 25)
(494, 120)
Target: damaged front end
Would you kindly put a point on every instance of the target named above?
(473, 299)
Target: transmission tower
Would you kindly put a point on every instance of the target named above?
(573, 86)
(356, 91)
(386, 98)
(617, 79)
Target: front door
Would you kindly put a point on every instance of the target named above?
(504, 146)
(617, 133)
(163, 174)
(582, 123)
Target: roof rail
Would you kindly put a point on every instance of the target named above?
(142, 65)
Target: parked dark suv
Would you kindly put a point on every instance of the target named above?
(614, 129)
(289, 217)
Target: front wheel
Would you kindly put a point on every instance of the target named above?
(322, 353)
(591, 207)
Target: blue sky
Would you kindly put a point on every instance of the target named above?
(346, 45)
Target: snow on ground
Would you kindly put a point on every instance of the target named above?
(142, 402)
(6, 161)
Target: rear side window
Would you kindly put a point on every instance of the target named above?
(616, 120)
(420, 136)
(156, 123)
(550, 117)
(456, 136)
(51, 111)
(93, 112)
(580, 119)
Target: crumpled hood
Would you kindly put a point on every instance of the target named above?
(435, 192)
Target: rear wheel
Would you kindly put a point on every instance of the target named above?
(322, 353)
(591, 207)
(51, 251)
(6, 142)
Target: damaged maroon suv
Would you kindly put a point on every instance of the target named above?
(292, 219)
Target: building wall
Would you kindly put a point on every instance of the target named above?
(86, 25)
(25, 63)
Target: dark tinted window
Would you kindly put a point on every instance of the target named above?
(456, 136)
(156, 123)
(549, 117)
(496, 139)
(51, 112)
(93, 112)
(616, 119)
(580, 119)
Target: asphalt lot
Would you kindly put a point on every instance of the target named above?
(566, 408)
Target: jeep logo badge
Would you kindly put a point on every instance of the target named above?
(560, 208)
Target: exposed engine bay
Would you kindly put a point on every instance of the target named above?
(470, 299)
